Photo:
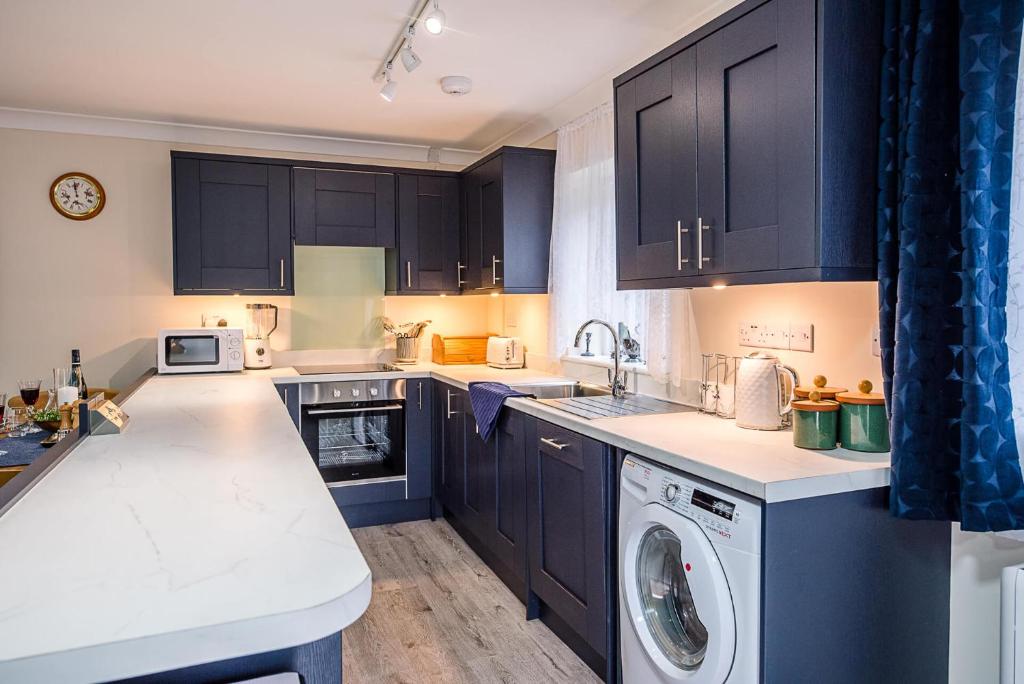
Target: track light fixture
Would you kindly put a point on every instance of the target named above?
(434, 22)
(390, 87)
(410, 60)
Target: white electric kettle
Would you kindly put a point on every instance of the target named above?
(764, 392)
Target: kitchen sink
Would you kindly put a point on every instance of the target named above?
(564, 390)
(595, 401)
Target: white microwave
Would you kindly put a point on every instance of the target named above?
(199, 350)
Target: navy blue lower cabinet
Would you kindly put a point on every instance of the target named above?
(571, 555)
(477, 499)
(289, 394)
(318, 662)
(851, 594)
(418, 436)
(506, 482)
(450, 452)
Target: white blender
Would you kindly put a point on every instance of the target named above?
(258, 329)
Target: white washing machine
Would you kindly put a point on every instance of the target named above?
(689, 579)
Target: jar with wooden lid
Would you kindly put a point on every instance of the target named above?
(814, 422)
(821, 386)
(863, 423)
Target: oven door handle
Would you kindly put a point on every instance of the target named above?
(365, 409)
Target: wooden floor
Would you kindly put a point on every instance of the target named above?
(438, 614)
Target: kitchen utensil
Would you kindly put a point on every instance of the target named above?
(821, 385)
(261, 323)
(814, 422)
(505, 352)
(764, 391)
(863, 423)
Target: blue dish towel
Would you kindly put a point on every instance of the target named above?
(487, 399)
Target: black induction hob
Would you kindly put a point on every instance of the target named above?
(333, 369)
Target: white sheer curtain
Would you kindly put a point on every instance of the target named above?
(582, 272)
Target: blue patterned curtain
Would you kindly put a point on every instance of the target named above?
(947, 106)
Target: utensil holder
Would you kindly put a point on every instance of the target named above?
(725, 378)
(407, 349)
(718, 384)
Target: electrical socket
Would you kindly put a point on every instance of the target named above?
(801, 337)
(764, 335)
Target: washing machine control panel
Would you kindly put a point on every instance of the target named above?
(724, 516)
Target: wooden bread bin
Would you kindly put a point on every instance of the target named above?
(462, 349)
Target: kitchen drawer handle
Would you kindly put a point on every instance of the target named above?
(364, 409)
(494, 269)
(680, 232)
(408, 274)
(450, 412)
(701, 227)
(458, 273)
(282, 274)
(552, 443)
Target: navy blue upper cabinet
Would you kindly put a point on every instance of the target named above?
(656, 118)
(746, 151)
(232, 226)
(342, 208)
(426, 260)
(508, 197)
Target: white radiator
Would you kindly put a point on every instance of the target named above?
(1011, 639)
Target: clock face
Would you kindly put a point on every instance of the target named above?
(77, 196)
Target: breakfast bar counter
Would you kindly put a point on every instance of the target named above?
(202, 534)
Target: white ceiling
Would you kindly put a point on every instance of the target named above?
(305, 66)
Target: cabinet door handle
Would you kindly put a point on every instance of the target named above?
(701, 259)
(494, 269)
(450, 412)
(408, 274)
(419, 386)
(458, 273)
(680, 232)
(282, 274)
(553, 444)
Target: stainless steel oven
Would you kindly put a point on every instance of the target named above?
(355, 429)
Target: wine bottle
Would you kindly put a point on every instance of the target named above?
(77, 377)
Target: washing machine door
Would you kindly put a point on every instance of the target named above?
(678, 597)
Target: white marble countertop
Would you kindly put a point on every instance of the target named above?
(763, 464)
(203, 532)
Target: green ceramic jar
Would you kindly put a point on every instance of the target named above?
(814, 422)
(863, 423)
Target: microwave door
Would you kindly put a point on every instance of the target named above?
(192, 350)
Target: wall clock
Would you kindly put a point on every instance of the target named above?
(77, 196)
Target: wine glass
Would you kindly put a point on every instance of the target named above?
(30, 395)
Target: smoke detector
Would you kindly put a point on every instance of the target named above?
(456, 85)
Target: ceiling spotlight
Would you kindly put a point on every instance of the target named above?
(390, 87)
(434, 21)
(410, 60)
